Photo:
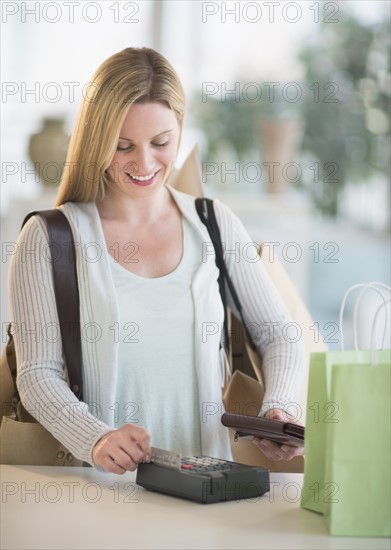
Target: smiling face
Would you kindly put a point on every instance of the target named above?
(146, 151)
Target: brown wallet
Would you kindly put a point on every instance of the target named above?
(281, 432)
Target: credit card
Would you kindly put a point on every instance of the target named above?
(169, 459)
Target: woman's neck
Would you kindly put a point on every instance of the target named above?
(144, 210)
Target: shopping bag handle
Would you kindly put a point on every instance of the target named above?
(373, 285)
(373, 349)
(364, 286)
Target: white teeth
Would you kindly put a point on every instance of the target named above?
(142, 178)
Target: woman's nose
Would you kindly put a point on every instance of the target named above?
(144, 161)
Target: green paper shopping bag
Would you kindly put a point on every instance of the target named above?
(322, 412)
(339, 420)
(357, 453)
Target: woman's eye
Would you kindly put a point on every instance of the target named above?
(160, 144)
(130, 147)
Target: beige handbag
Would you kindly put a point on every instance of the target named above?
(243, 393)
(22, 439)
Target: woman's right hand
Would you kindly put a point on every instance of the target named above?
(122, 449)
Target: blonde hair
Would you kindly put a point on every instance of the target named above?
(133, 75)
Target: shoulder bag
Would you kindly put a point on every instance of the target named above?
(22, 439)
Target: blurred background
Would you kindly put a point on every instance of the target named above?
(288, 103)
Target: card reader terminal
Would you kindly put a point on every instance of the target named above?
(201, 478)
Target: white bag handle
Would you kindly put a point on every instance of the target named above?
(364, 286)
(373, 285)
(373, 350)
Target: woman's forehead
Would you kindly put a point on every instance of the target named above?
(148, 120)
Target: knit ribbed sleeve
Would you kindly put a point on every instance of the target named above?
(41, 377)
(265, 315)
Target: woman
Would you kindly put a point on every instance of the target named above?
(151, 365)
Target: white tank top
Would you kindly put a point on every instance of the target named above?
(157, 385)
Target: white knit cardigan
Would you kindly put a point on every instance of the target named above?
(41, 379)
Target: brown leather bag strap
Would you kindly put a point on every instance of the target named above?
(66, 290)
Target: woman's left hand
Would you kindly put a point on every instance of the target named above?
(273, 450)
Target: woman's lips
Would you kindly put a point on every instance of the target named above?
(144, 183)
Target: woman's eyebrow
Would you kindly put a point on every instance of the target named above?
(157, 135)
